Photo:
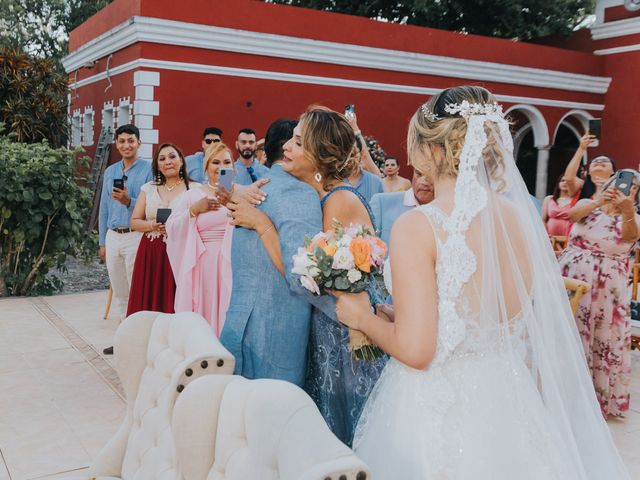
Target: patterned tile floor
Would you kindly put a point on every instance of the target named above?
(61, 399)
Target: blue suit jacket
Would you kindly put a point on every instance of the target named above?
(268, 321)
(195, 167)
(386, 208)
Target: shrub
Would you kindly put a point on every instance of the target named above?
(43, 210)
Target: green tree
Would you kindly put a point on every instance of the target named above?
(41, 27)
(33, 98)
(515, 19)
(42, 214)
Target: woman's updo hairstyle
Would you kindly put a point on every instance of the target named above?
(329, 142)
(432, 124)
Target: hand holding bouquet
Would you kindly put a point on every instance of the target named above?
(344, 259)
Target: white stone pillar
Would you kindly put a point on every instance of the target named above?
(542, 171)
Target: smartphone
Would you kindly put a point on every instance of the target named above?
(118, 183)
(350, 110)
(162, 215)
(595, 127)
(226, 178)
(624, 181)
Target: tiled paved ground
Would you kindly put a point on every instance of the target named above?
(60, 401)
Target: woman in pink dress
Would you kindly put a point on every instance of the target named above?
(601, 240)
(199, 245)
(555, 210)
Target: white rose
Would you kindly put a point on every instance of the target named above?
(310, 284)
(304, 265)
(345, 241)
(354, 275)
(343, 259)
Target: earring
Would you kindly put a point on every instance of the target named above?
(318, 177)
(181, 173)
(159, 178)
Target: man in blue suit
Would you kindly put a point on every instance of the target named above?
(387, 207)
(267, 324)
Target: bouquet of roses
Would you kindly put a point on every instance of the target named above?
(345, 259)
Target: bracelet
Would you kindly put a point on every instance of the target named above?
(191, 214)
(270, 228)
(628, 219)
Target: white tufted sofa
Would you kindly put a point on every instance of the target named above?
(156, 356)
(230, 428)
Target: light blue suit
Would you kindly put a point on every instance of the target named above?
(267, 324)
(195, 167)
(386, 208)
(242, 175)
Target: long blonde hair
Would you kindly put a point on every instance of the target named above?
(213, 150)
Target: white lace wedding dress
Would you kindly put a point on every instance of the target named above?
(508, 395)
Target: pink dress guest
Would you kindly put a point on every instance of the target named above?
(597, 255)
(559, 223)
(199, 250)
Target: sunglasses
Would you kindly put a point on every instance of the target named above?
(601, 160)
(209, 141)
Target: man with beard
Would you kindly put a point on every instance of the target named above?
(387, 207)
(248, 168)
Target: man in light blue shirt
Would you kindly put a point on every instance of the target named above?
(195, 162)
(118, 243)
(387, 207)
(248, 168)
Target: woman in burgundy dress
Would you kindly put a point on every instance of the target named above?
(153, 286)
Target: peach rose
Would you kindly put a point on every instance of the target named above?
(361, 251)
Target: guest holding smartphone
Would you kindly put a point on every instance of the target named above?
(199, 242)
(120, 189)
(605, 230)
(153, 286)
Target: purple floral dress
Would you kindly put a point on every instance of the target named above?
(597, 255)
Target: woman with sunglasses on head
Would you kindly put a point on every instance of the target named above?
(199, 244)
(598, 171)
(153, 286)
(605, 230)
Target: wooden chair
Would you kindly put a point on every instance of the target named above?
(635, 272)
(559, 243)
(578, 289)
(109, 298)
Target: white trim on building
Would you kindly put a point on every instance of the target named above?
(108, 116)
(617, 28)
(145, 108)
(169, 32)
(614, 50)
(124, 114)
(88, 118)
(76, 128)
(315, 80)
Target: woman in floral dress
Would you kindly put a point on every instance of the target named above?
(601, 239)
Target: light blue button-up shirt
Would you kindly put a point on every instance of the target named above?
(195, 167)
(243, 177)
(112, 213)
(368, 185)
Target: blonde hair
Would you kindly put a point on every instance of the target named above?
(212, 151)
(432, 125)
(329, 142)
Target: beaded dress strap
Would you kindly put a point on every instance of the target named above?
(358, 194)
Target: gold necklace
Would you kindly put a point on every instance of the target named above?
(169, 188)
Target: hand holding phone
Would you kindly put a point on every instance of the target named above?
(226, 178)
(595, 129)
(624, 181)
(350, 110)
(118, 183)
(162, 215)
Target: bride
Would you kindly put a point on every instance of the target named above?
(487, 380)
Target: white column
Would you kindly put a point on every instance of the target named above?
(542, 171)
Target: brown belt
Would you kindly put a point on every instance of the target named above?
(122, 230)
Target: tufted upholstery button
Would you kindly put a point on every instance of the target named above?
(361, 476)
(220, 362)
(204, 364)
(180, 388)
(188, 372)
